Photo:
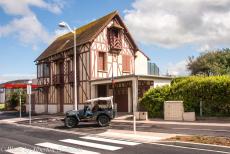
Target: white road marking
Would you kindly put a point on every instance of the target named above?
(21, 150)
(198, 149)
(65, 148)
(92, 145)
(201, 129)
(110, 140)
(131, 126)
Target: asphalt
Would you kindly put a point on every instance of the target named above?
(14, 136)
(90, 127)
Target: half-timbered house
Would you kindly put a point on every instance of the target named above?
(108, 63)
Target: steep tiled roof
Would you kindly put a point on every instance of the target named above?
(84, 34)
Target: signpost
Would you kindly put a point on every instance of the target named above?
(20, 103)
(134, 124)
(29, 94)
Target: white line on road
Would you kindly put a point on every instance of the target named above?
(65, 148)
(92, 145)
(130, 126)
(110, 140)
(198, 149)
(21, 150)
(201, 129)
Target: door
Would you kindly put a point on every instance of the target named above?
(102, 91)
(61, 87)
(121, 99)
(61, 99)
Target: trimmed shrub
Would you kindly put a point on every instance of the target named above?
(213, 91)
(153, 100)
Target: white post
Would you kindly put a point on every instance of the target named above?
(20, 103)
(134, 124)
(30, 108)
(29, 94)
(75, 72)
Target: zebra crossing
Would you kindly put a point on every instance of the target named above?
(72, 148)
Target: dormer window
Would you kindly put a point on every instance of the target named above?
(115, 32)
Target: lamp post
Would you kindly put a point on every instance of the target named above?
(65, 25)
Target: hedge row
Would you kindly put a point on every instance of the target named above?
(213, 91)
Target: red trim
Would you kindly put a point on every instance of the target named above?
(17, 86)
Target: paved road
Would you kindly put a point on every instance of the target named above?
(8, 114)
(144, 127)
(177, 129)
(14, 139)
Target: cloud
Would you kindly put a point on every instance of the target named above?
(22, 7)
(11, 77)
(176, 23)
(25, 25)
(21, 28)
(178, 69)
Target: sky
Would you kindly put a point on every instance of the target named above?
(168, 31)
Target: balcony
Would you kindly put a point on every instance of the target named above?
(115, 43)
(58, 79)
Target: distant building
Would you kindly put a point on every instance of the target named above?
(153, 69)
(5, 93)
(2, 95)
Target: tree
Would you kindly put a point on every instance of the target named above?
(211, 63)
(14, 99)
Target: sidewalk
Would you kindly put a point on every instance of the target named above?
(195, 123)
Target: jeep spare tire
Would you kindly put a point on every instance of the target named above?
(103, 120)
(71, 122)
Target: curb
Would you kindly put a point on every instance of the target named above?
(195, 143)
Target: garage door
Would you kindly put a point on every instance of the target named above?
(121, 95)
(121, 99)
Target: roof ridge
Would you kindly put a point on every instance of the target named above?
(88, 24)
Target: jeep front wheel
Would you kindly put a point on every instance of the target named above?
(103, 120)
(71, 122)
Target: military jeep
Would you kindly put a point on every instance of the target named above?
(99, 109)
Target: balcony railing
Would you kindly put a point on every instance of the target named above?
(71, 77)
(58, 79)
(115, 43)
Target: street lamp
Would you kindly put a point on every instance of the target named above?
(65, 25)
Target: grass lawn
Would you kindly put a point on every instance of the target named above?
(203, 139)
(2, 106)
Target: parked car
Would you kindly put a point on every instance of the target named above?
(99, 109)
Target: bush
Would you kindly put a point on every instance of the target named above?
(14, 99)
(153, 100)
(213, 91)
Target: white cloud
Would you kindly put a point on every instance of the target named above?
(22, 29)
(175, 23)
(178, 69)
(10, 77)
(25, 25)
(22, 7)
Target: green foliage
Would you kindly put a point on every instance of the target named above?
(211, 63)
(14, 99)
(2, 106)
(153, 100)
(213, 91)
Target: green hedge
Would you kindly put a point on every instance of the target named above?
(213, 91)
